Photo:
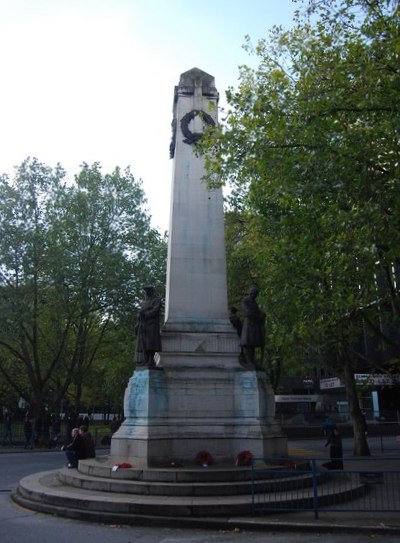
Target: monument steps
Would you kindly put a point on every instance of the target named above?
(271, 483)
(57, 492)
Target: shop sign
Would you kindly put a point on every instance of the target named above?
(333, 382)
(294, 398)
(377, 379)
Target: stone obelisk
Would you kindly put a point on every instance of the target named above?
(197, 321)
(199, 397)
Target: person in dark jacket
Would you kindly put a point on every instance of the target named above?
(7, 439)
(89, 442)
(76, 450)
(71, 420)
(28, 432)
(335, 449)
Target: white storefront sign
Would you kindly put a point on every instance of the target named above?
(333, 382)
(295, 398)
(377, 379)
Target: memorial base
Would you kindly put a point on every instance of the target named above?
(173, 413)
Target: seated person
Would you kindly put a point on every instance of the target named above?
(76, 450)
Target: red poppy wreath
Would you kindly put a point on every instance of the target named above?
(204, 458)
(244, 458)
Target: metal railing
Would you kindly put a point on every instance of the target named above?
(307, 418)
(306, 484)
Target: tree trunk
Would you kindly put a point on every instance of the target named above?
(78, 396)
(361, 447)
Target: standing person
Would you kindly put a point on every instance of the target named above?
(253, 333)
(38, 430)
(335, 449)
(28, 432)
(148, 329)
(7, 437)
(86, 420)
(55, 429)
(76, 450)
(70, 424)
(87, 437)
(114, 424)
(46, 423)
(328, 425)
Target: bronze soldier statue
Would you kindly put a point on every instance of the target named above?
(253, 333)
(148, 330)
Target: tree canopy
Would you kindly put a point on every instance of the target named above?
(310, 147)
(73, 260)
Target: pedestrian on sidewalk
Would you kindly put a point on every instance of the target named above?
(328, 426)
(7, 437)
(335, 449)
(90, 451)
(28, 432)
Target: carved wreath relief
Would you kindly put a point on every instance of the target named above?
(193, 137)
(189, 136)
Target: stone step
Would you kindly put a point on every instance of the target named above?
(180, 487)
(46, 488)
(103, 467)
(46, 493)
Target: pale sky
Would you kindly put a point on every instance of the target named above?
(93, 80)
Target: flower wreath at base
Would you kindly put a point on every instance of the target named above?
(204, 458)
(244, 458)
(121, 465)
(289, 464)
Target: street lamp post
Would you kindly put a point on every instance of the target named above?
(308, 384)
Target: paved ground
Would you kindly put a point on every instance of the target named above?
(18, 525)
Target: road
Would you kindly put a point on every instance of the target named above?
(18, 525)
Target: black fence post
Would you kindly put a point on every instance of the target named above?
(315, 487)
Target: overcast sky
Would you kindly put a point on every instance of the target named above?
(93, 80)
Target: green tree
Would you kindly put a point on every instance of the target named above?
(106, 383)
(73, 260)
(311, 147)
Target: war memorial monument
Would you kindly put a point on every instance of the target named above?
(197, 396)
(193, 394)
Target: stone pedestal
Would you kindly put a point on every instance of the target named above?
(172, 415)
